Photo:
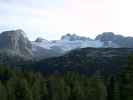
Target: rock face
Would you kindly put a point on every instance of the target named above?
(106, 36)
(117, 40)
(39, 39)
(15, 42)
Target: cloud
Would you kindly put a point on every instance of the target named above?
(59, 16)
(35, 3)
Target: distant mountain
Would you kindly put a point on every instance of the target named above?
(70, 42)
(118, 41)
(67, 43)
(15, 43)
(40, 51)
(74, 37)
(39, 40)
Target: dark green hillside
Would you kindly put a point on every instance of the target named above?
(87, 61)
(29, 85)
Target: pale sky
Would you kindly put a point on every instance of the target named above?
(52, 18)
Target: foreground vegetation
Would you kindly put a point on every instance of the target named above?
(16, 84)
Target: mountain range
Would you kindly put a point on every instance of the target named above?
(72, 68)
(15, 42)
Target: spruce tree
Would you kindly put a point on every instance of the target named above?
(126, 81)
(3, 92)
(18, 90)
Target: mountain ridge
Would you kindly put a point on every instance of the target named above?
(16, 42)
(87, 61)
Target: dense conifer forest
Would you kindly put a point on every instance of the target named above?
(23, 84)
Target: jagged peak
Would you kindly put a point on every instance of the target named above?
(18, 32)
(40, 39)
(73, 37)
(108, 33)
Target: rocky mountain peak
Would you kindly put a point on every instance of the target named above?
(16, 42)
(39, 39)
(73, 37)
(106, 36)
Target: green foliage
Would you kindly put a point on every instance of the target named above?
(3, 92)
(23, 85)
(28, 85)
(120, 87)
(58, 89)
(18, 89)
(126, 81)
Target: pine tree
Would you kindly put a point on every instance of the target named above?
(95, 89)
(18, 90)
(126, 81)
(77, 91)
(113, 89)
(57, 89)
(39, 88)
(3, 92)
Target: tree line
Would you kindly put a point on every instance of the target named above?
(16, 84)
